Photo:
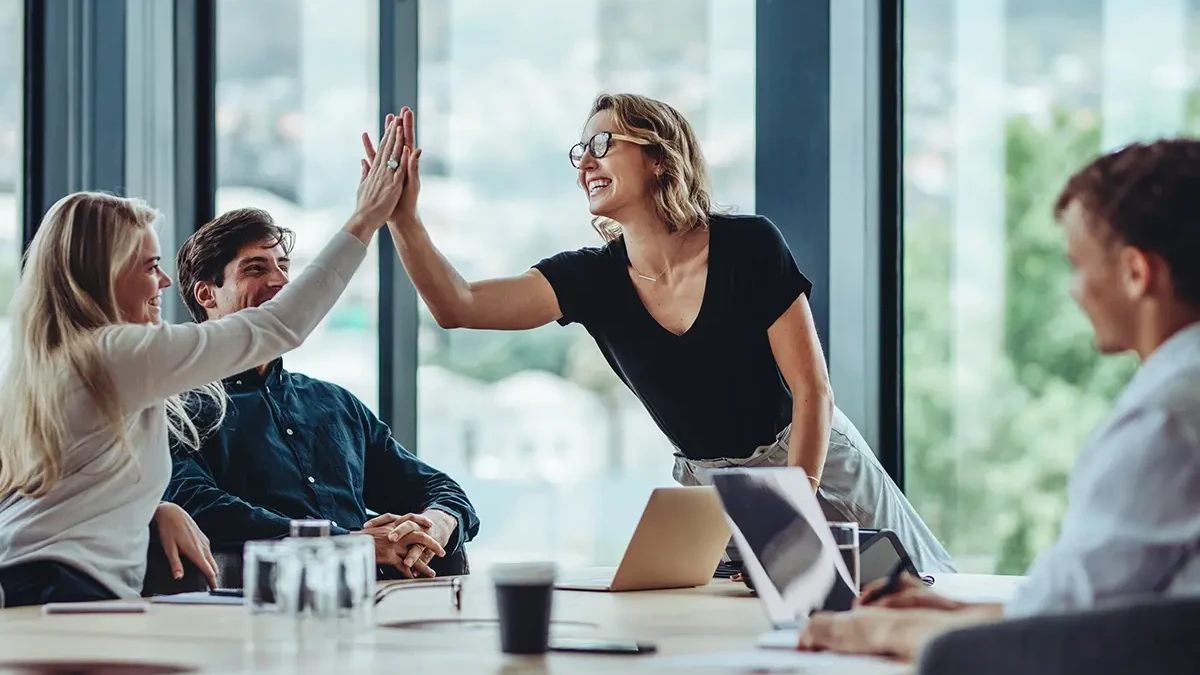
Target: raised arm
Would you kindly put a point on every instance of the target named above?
(512, 303)
(152, 362)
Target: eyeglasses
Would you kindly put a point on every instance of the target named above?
(455, 585)
(599, 145)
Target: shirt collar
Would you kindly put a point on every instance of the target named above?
(1179, 350)
(252, 379)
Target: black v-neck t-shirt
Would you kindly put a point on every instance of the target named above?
(715, 390)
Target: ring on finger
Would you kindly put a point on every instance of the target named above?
(393, 164)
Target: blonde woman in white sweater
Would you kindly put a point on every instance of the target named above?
(96, 383)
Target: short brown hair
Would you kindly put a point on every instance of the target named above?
(205, 254)
(1147, 195)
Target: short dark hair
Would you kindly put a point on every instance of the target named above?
(205, 254)
(1147, 195)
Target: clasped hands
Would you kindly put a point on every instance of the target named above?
(410, 541)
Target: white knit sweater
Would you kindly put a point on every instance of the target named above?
(97, 519)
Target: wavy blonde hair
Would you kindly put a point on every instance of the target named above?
(67, 293)
(682, 196)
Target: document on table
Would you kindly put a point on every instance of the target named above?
(781, 661)
(197, 598)
(785, 638)
(95, 607)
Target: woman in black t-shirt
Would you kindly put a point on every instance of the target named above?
(704, 316)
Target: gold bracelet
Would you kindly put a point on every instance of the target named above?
(817, 481)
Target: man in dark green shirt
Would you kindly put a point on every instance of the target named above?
(294, 447)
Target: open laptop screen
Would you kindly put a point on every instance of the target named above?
(783, 537)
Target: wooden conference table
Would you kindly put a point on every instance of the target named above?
(700, 630)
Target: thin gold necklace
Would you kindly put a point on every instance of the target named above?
(666, 269)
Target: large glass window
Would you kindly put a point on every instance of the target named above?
(297, 83)
(558, 456)
(1003, 100)
(12, 39)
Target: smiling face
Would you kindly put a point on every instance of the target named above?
(140, 284)
(255, 275)
(1107, 281)
(620, 180)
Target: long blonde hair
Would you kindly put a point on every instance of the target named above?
(66, 294)
(682, 195)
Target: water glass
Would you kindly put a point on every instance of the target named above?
(845, 537)
(304, 594)
(308, 589)
(355, 584)
(310, 528)
(265, 566)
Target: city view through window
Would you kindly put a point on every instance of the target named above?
(550, 446)
(1002, 100)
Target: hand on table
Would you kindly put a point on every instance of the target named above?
(913, 594)
(900, 633)
(881, 632)
(180, 534)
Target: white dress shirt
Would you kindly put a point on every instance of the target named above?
(1133, 515)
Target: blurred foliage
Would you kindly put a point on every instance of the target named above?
(996, 503)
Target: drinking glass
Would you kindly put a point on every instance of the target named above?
(354, 584)
(310, 527)
(265, 566)
(845, 536)
(308, 589)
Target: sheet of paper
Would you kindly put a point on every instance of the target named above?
(782, 661)
(197, 598)
(786, 638)
(95, 607)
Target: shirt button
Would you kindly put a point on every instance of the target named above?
(268, 390)
(289, 432)
(311, 479)
(238, 382)
(334, 523)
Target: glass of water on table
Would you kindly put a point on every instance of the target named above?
(308, 593)
(845, 537)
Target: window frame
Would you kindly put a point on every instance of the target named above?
(827, 163)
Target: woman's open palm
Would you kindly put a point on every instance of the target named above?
(407, 204)
(382, 182)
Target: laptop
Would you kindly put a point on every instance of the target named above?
(677, 543)
(785, 544)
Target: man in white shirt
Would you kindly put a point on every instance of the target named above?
(1132, 528)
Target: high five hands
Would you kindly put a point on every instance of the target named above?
(382, 183)
(406, 205)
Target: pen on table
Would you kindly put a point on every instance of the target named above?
(893, 584)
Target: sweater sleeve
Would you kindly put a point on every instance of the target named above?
(151, 362)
